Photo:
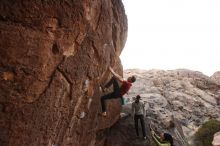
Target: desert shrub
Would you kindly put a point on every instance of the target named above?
(204, 135)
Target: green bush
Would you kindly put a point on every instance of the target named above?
(204, 135)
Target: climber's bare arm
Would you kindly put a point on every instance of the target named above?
(118, 77)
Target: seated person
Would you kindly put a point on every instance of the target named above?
(165, 139)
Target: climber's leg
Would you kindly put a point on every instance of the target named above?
(104, 98)
(114, 82)
(114, 94)
(110, 82)
(116, 87)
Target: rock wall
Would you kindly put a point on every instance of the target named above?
(54, 55)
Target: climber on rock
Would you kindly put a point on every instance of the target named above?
(118, 91)
(165, 139)
(138, 112)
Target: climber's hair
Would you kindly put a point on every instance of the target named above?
(168, 137)
(133, 79)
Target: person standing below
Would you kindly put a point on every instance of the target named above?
(118, 91)
(138, 113)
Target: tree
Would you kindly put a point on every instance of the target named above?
(204, 135)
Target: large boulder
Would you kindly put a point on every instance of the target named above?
(216, 77)
(54, 55)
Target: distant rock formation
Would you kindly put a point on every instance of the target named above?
(54, 54)
(216, 77)
(188, 96)
(176, 101)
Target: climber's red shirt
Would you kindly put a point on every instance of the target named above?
(125, 87)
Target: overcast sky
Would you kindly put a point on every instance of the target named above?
(171, 34)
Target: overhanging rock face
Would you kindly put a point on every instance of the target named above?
(54, 54)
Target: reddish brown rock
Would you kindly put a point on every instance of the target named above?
(54, 54)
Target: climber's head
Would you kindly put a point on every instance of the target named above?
(131, 79)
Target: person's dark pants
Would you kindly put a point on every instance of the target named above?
(141, 117)
(114, 94)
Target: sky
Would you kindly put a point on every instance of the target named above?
(172, 34)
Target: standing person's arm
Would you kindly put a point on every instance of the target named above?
(144, 112)
(118, 77)
(132, 110)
